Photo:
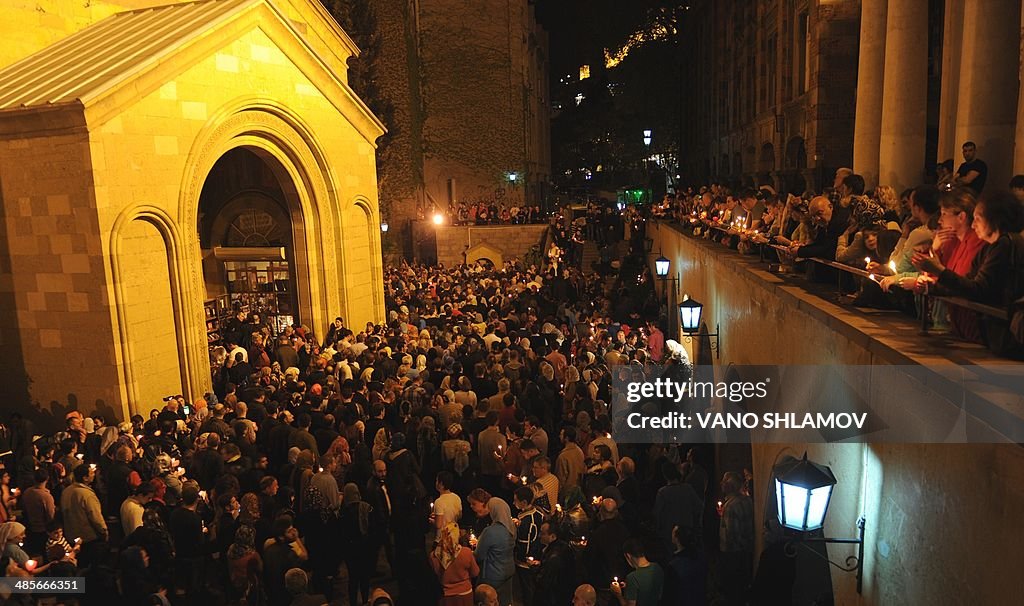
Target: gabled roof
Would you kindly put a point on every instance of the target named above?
(97, 58)
(92, 65)
(91, 60)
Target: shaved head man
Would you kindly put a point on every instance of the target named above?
(820, 211)
(485, 595)
(585, 595)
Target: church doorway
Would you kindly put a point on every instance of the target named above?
(248, 225)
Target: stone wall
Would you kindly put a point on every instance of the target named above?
(498, 243)
(920, 500)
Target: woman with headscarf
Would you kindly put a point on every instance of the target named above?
(245, 566)
(251, 515)
(154, 537)
(12, 535)
(572, 379)
(301, 475)
(403, 477)
(455, 568)
(428, 451)
(319, 522)
(342, 454)
(381, 443)
(357, 547)
(494, 550)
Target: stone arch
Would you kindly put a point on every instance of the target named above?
(766, 159)
(796, 153)
(482, 251)
(185, 339)
(282, 140)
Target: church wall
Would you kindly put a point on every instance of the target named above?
(70, 204)
(56, 349)
(149, 314)
(144, 153)
(936, 513)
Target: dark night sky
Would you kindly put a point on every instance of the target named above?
(580, 29)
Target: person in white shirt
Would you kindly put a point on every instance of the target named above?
(447, 508)
(133, 507)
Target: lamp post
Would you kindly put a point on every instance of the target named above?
(662, 265)
(690, 311)
(648, 137)
(803, 492)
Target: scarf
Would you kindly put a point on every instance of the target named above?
(9, 530)
(352, 498)
(447, 545)
(501, 514)
(245, 539)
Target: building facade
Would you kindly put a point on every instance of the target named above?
(468, 84)
(162, 166)
(771, 88)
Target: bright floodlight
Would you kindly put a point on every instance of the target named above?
(438, 219)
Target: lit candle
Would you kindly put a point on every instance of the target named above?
(202, 494)
(867, 260)
(597, 500)
(558, 508)
(80, 456)
(78, 540)
(92, 466)
(523, 479)
(615, 579)
(719, 504)
(431, 506)
(181, 471)
(892, 266)
(30, 565)
(872, 277)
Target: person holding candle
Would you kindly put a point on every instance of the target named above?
(495, 550)
(528, 546)
(643, 586)
(556, 568)
(995, 274)
(455, 567)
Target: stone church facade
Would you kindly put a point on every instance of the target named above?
(136, 144)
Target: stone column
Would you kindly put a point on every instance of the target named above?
(952, 47)
(1018, 148)
(987, 98)
(905, 95)
(870, 74)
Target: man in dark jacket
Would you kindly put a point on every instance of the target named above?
(831, 222)
(556, 574)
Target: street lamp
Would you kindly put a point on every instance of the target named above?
(513, 176)
(803, 491)
(384, 227)
(690, 311)
(661, 265)
(647, 137)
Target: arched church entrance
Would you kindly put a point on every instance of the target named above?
(248, 225)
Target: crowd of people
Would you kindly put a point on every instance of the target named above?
(459, 453)
(954, 239)
(492, 213)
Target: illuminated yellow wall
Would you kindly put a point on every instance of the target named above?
(98, 231)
